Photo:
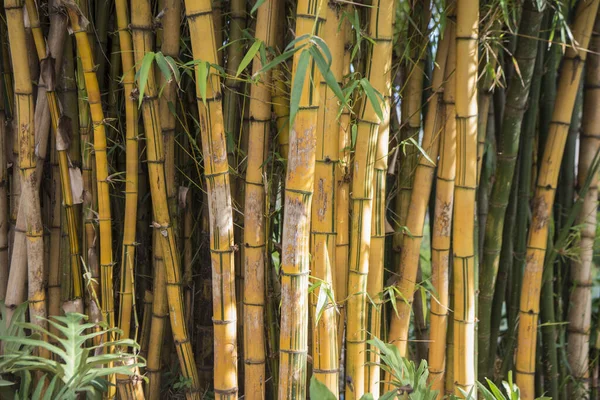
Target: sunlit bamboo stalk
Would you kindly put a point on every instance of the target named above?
(299, 185)
(464, 194)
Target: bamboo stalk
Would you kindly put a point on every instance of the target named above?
(323, 234)
(442, 220)
(127, 298)
(29, 266)
(544, 195)
(580, 304)
(299, 185)
(419, 198)
(342, 201)
(378, 72)
(141, 22)
(4, 192)
(464, 195)
(255, 254)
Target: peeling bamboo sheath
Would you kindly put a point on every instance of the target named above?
(323, 227)
(580, 307)
(467, 19)
(216, 170)
(543, 200)
(254, 212)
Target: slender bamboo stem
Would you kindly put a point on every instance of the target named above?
(419, 197)
(378, 72)
(464, 195)
(323, 230)
(442, 220)
(141, 22)
(254, 213)
(544, 195)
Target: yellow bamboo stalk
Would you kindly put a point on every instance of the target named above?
(580, 307)
(216, 170)
(78, 26)
(141, 23)
(342, 200)
(160, 313)
(280, 91)
(442, 219)
(127, 298)
(30, 203)
(129, 387)
(419, 195)
(323, 234)
(299, 184)
(570, 75)
(382, 82)
(467, 20)
(378, 72)
(254, 212)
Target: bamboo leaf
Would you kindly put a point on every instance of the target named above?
(163, 65)
(324, 48)
(321, 302)
(298, 85)
(249, 56)
(202, 77)
(318, 390)
(373, 97)
(327, 74)
(256, 5)
(144, 72)
(278, 60)
(173, 66)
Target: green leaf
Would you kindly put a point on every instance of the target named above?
(249, 56)
(144, 72)
(319, 391)
(173, 66)
(391, 395)
(279, 59)
(202, 78)
(367, 396)
(324, 48)
(298, 84)
(163, 66)
(373, 97)
(327, 74)
(256, 5)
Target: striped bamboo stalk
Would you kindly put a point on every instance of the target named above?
(323, 234)
(361, 198)
(467, 18)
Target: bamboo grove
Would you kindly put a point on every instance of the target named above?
(303, 198)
